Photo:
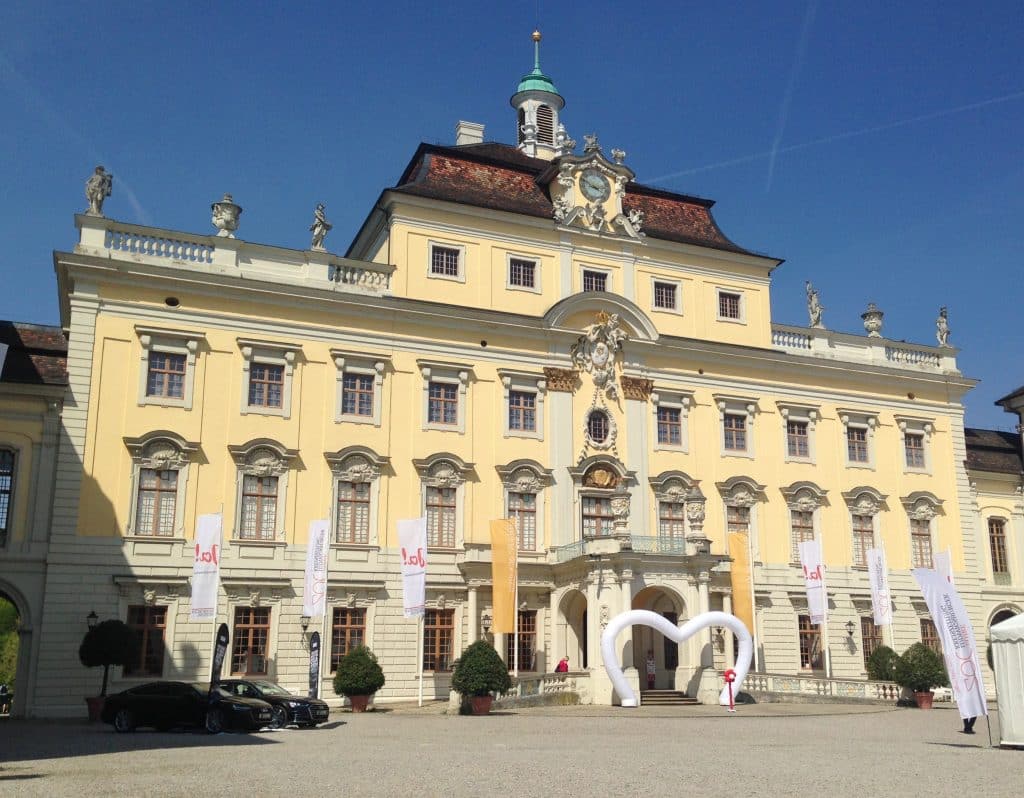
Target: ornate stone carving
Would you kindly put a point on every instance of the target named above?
(350, 600)
(444, 474)
(873, 320)
(97, 188)
(922, 510)
(562, 208)
(695, 511)
(563, 143)
(149, 596)
(637, 388)
(225, 216)
(605, 615)
(254, 598)
(618, 155)
(814, 306)
(596, 350)
(319, 228)
(525, 480)
(620, 506)
(942, 327)
(590, 143)
(357, 468)
(561, 379)
(162, 455)
(600, 476)
(263, 462)
(865, 505)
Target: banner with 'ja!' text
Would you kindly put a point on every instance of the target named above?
(412, 545)
(206, 568)
(814, 580)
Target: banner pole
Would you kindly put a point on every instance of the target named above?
(216, 605)
(515, 604)
(419, 658)
(753, 601)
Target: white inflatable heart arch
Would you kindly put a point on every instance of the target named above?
(678, 634)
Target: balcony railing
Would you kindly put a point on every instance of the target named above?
(568, 552)
(658, 545)
(813, 685)
(813, 342)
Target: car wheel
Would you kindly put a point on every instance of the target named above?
(214, 721)
(124, 721)
(278, 717)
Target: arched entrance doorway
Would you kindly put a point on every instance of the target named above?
(649, 643)
(10, 649)
(571, 637)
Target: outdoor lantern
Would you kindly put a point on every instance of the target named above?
(304, 622)
(849, 628)
(485, 620)
(92, 619)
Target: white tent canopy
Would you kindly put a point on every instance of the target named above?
(1008, 657)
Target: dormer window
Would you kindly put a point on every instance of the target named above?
(545, 125)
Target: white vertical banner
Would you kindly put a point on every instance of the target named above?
(881, 598)
(958, 646)
(314, 587)
(814, 580)
(943, 562)
(3, 357)
(206, 568)
(412, 544)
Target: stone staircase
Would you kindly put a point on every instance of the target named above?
(666, 698)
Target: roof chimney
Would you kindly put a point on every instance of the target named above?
(469, 133)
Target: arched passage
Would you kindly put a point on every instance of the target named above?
(571, 632)
(648, 642)
(15, 624)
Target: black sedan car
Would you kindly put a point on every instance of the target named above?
(166, 705)
(287, 708)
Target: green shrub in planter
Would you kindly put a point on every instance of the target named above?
(920, 669)
(109, 643)
(358, 673)
(480, 671)
(881, 664)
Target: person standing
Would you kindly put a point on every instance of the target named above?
(969, 724)
(562, 666)
(652, 669)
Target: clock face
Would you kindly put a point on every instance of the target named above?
(594, 185)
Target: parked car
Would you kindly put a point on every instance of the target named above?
(165, 705)
(286, 707)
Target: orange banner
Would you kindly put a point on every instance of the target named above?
(742, 600)
(504, 571)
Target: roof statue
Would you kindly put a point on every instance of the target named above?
(225, 216)
(320, 227)
(97, 188)
(814, 306)
(942, 327)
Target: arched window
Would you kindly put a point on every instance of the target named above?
(6, 492)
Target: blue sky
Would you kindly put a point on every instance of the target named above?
(876, 146)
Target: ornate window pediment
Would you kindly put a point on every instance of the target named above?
(161, 450)
(864, 501)
(524, 476)
(741, 491)
(263, 457)
(356, 464)
(804, 496)
(675, 486)
(922, 505)
(160, 466)
(443, 470)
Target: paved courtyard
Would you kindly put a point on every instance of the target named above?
(765, 750)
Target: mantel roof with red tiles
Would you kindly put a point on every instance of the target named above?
(502, 178)
(993, 450)
(37, 354)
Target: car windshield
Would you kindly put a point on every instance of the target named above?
(205, 688)
(269, 688)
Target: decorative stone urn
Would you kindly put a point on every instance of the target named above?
(225, 216)
(873, 320)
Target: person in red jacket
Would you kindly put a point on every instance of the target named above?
(562, 666)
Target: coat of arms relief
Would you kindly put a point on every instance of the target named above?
(596, 353)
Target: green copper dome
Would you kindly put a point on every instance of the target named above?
(536, 80)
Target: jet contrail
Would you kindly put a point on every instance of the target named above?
(787, 98)
(841, 136)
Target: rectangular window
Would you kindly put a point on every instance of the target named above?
(737, 519)
(259, 508)
(913, 444)
(443, 403)
(438, 633)
(857, 444)
(521, 273)
(154, 511)
(522, 411)
(728, 305)
(863, 538)
(6, 492)
(353, 522)
(348, 631)
(251, 636)
(670, 426)
(801, 524)
(594, 281)
(444, 261)
(266, 383)
(522, 507)
(148, 623)
(441, 517)
(664, 296)
(797, 439)
(871, 636)
(166, 375)
(597, 516)
(357, 394)
(997, 545)
(921, 543)
(527, 642)
(930, 635)
(671, 520)
(735, 428)
(810, 644)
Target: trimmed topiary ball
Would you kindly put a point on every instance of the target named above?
(881, 665)
(358, 673)
(920, 669)
(480, 671)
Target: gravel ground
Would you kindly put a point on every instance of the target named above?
(765, 750)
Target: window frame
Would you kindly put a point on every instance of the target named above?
(741, 317)
(145, 630)
(523, 382)
(444, 471)
(160, 451)
(459, 249)
(673, 400)
(364, 365)
(262, 457)
(677, 295)
(356, 464)
(922, 508)
(250, 627)
(808, 633)
(174, 342)
(509, 285)
(999, 575)
(859, 420)
(268, 353)
(799, 414)
(529, 632)
(439, 621)
(596, 271)
(347, 628)
(736, 406)
(445, 374)
(805, 498)
(12, 486)
(922, 428)
(870, 637)
(526, 477)
(930, 634)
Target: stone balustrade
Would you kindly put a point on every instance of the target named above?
(138, 241)
(817, 686)
(811, 342)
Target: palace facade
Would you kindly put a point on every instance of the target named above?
(520, 330)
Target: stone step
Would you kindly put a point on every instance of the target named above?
(662, 698)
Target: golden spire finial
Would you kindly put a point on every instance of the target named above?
(536, 36)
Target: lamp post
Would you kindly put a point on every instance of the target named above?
(92, 619)
(849, 629)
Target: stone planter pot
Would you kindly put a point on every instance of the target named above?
(359, 702)
(924, 698)
(481, 704)
(95, 705)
